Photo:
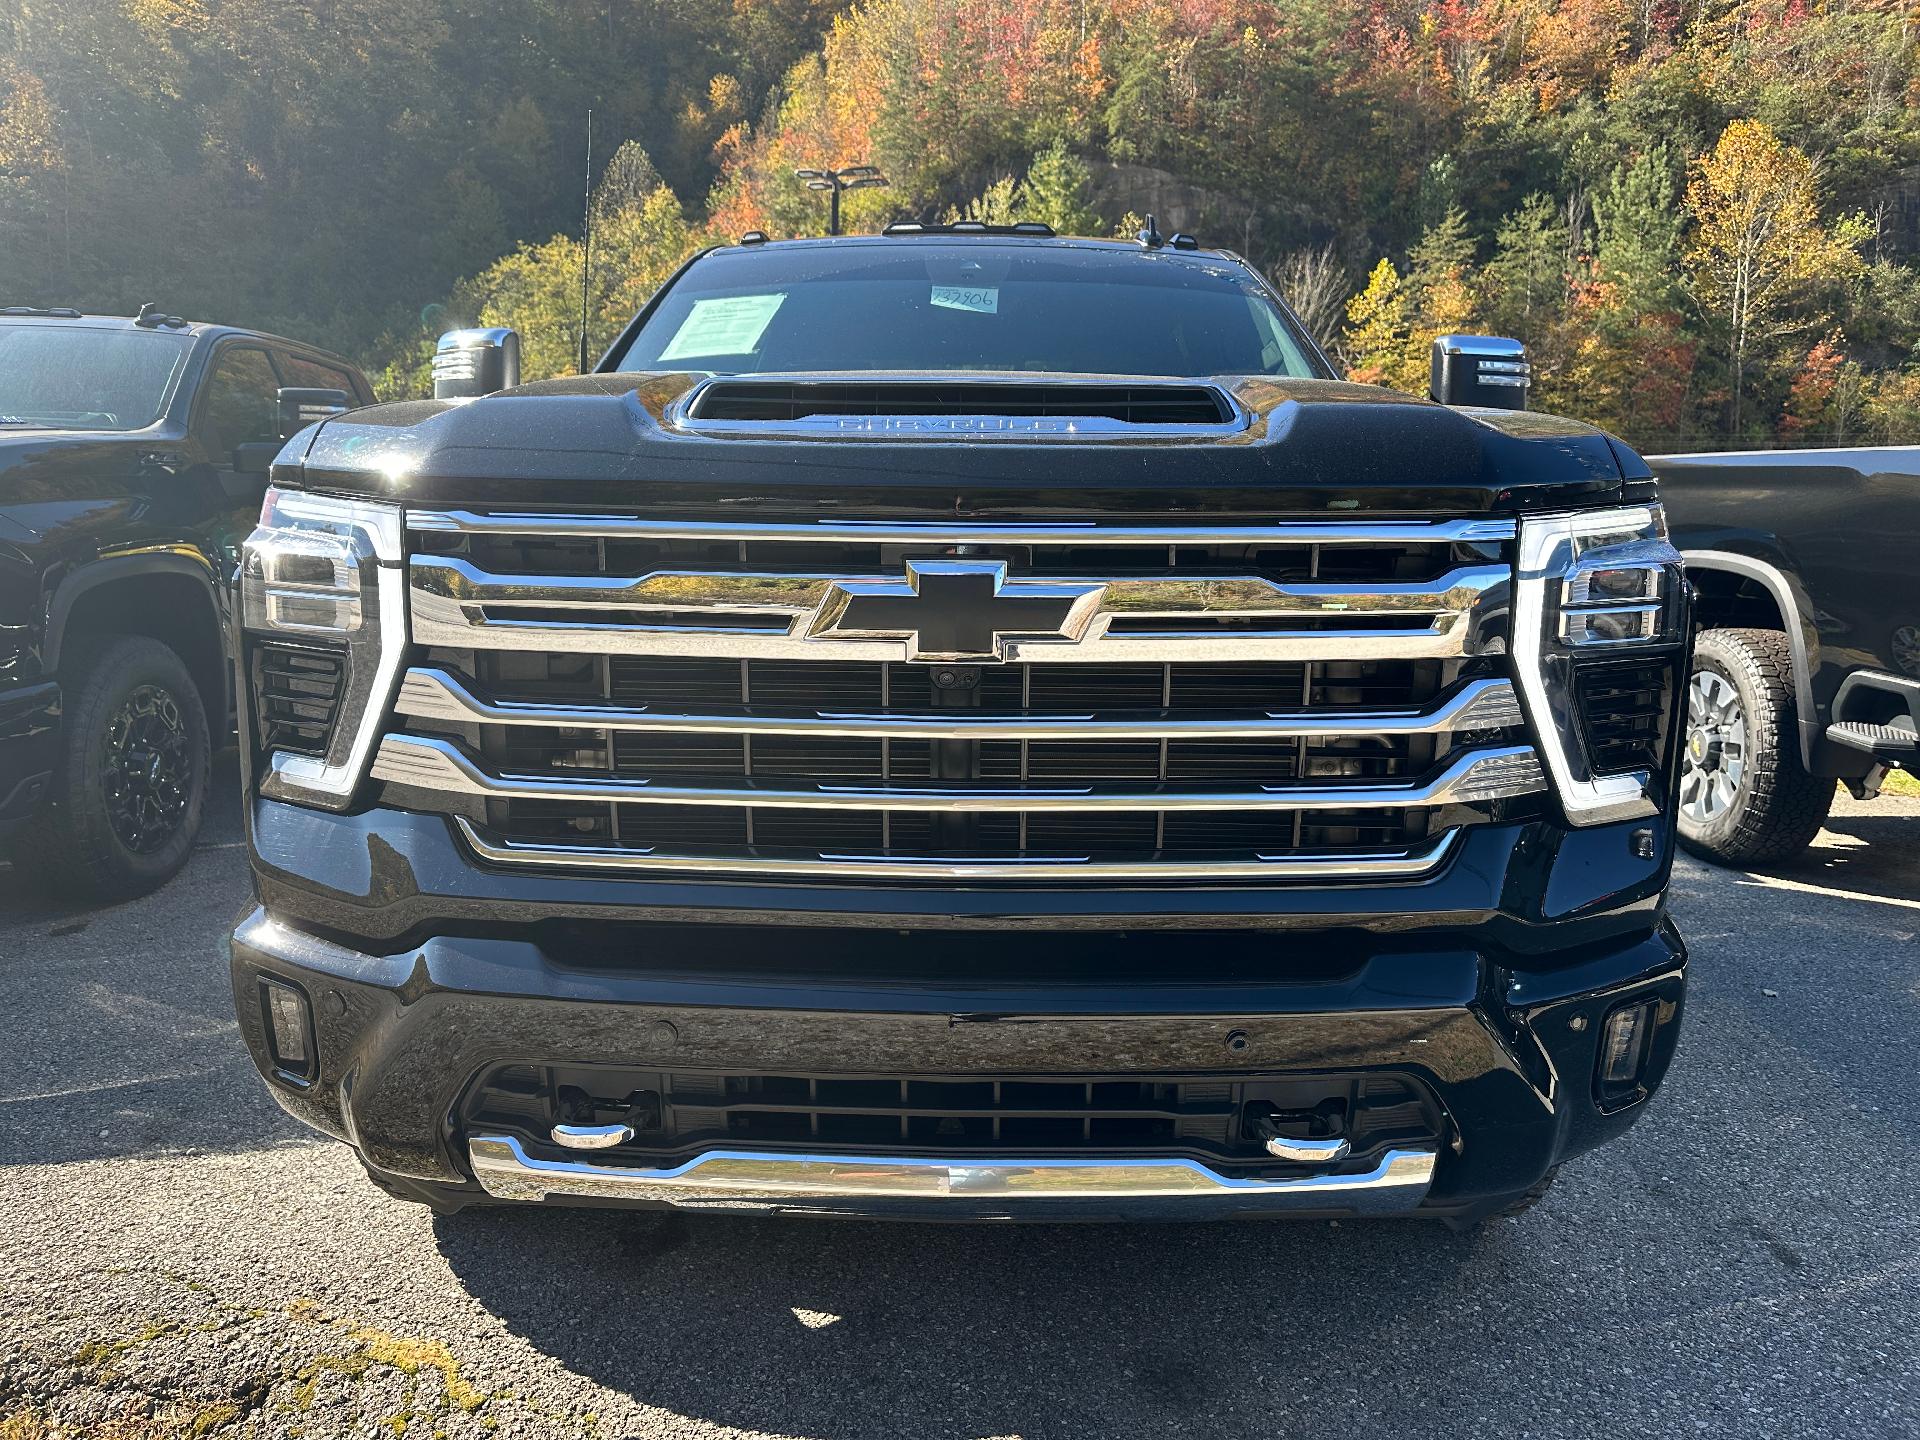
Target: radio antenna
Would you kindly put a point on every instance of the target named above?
(586, 244)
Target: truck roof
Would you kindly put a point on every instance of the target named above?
(161, 324)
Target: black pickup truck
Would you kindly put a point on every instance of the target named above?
(971, 723)
(1806, 564)
(133, 455)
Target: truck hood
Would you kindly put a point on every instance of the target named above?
(40, 468)
(1282, 447)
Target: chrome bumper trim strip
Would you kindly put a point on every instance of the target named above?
(1050, 1184)
(1472, 776)
(882, 532)
(435, 694)
(1328, 868)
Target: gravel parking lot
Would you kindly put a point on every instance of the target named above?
(178, 1258)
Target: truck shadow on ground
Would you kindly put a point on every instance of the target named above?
(849, 1329)
(1868, 857)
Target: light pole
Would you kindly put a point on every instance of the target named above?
(852, 177)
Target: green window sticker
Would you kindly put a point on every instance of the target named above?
(981, 300)
(726, 325)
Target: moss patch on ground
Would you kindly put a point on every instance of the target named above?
(1899, 782)
(174, 1423)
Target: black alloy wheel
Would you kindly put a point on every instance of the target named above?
(145, 769)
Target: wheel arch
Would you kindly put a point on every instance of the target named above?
(167, 597)
(1721, 576)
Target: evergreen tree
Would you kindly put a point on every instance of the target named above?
(1639, 220)
(1526, 280)
(1057, 191)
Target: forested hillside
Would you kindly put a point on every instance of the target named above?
(1704, 217)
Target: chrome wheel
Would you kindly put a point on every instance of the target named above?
(1714, 762)
(147, 769)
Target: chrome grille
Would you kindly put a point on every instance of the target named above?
(1097, 702)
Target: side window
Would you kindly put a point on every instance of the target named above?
(242, 404)
(312, 375)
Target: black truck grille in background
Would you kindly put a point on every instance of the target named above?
(298, 692)
(681, 1112)
(615, 693)
(1626, 709)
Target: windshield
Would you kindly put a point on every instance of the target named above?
(76, 377)
(923, 305)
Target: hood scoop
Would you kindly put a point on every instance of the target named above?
(1020, 408)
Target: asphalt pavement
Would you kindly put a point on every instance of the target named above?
(177, 1258)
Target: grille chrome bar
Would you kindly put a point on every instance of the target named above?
(1473, 776)
(453, 603)
(538, 525)
(435, 694)
(1410, 864)
(746, 593)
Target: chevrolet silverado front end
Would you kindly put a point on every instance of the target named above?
(892, 741)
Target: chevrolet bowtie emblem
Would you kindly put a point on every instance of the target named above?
(962, 610)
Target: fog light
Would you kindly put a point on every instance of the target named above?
(1623, 1045)
(289, 1027)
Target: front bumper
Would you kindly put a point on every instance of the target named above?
(1507, 1048)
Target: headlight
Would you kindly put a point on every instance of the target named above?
(1599, 616)
(322, 597)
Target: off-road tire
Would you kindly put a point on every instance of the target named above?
(1778, 807)
(73, 844)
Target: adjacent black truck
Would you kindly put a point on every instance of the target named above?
(133, 456)
(969, 723)
(1806, 567)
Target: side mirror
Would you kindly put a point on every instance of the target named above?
(300, 408)
(469, 363)
(255, 457)
(1482, 370)
(246, 481)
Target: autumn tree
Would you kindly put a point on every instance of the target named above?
(1762, 265)
(640, 236)
(1378, 323)
(1827, 396)
(1626, 354)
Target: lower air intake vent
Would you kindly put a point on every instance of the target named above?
(751, 400)
(297, 695)
(1625, 708)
